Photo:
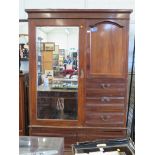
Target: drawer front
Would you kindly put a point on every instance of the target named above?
(99, 134)
(94, 137)
(105, 88)
(105, 104)
(105, 84)
(107, 93)
(91, 108)
(104, 119)
(105, 100)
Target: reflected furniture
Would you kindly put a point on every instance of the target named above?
(96, 108)
(21, 105)
(41, 145)
(47, 60)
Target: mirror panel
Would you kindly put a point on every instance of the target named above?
(57, 72)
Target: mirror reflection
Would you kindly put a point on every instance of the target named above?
(57, 72)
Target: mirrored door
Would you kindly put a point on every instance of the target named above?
(57, 58)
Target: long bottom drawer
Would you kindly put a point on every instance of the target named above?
(78, 134)
(91, 134)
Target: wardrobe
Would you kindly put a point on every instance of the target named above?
(89, 102)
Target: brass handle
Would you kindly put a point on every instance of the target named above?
(81, 73)
(103, 85)
(105, 99)
(105, 118)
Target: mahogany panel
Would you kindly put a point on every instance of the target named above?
(106, 49)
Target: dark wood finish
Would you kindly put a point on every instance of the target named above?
(103, 119)
(21, 105)
(104, 84)
(105, 100)
(91, 134)
(102, 92)
(32, 84)
(78, 14)
(106, 43)
(103, 108)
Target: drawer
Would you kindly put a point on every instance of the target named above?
(104, 108)
(105, 100)
(104, 84)
(93, 134)
(105, 119)
(104, 92)
(105, 87)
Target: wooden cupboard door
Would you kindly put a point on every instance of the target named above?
(106, 49)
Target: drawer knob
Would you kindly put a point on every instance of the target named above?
(105, 99)
(103, 85)
(105, 118)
